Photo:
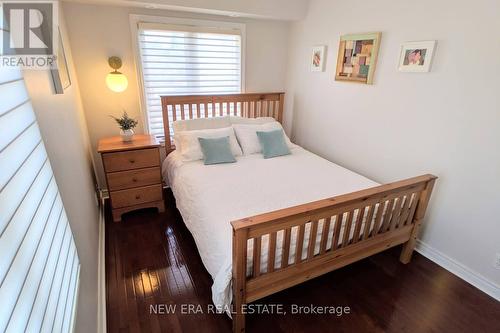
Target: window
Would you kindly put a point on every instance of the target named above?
(186, 60)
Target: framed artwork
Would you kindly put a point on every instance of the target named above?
(60, 75)
(318, 58)
(357, 57)
(416, 56)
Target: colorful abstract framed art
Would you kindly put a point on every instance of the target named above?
(416, 56)
(318, 58)
(357, 57)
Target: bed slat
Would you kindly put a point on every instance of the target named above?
(256, 256)
(183, 108)
(416, 198)
(336, 235)
(252, 109)
(378, 218)
(312, 239)
(397, 213)
(388, 215)
(347, 228)
(324, 235)
(357, 226)
(368, 222)
(286, 247)
(299, 243)
(271, 252)
(405, 210)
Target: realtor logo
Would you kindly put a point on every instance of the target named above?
(28, 38)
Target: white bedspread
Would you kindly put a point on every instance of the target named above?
(210, 196)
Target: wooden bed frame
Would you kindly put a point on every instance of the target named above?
(373, 219)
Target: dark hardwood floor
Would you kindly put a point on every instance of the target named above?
(152, 263)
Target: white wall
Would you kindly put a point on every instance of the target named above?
(64, 131)
(446, 122)
(97, 32)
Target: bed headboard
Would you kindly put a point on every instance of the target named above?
(250, 105)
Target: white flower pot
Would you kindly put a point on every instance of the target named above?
(127, 135)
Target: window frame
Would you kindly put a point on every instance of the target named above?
(190, 24)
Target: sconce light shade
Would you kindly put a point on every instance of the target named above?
(116, 81)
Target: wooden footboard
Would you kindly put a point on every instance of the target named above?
(342, 230)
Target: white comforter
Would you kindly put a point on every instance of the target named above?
(210, 196)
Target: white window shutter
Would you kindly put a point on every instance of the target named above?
(181, 60)
(39, 266)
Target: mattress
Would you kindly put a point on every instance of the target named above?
(209, 197)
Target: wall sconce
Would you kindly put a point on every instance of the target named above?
(116, 81)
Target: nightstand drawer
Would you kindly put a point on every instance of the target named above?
(136, 196)
(133, 159)
(122, 180)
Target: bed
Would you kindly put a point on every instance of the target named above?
(263, 225)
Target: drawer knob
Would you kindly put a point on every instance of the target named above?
(131, 161)
(137, 197)
(134, 179)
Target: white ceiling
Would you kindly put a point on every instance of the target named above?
(269, 9)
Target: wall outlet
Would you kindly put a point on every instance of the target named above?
(497, 261)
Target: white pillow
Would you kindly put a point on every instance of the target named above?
(247, 136)
(200, 124)
(189, 146)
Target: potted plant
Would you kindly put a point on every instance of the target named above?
(127, 125)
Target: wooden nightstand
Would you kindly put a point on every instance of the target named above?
(133, 173)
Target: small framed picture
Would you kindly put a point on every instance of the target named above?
(416, 56)
(318, 58)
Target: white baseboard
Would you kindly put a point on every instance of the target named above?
(101, 275)
(465, 273)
